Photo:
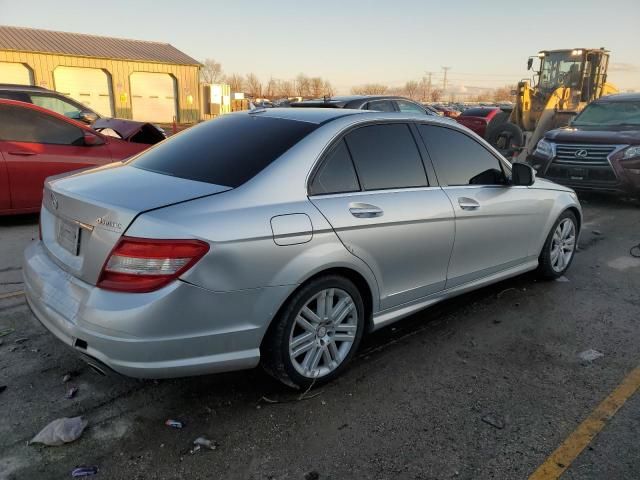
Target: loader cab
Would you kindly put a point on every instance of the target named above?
(581, 70)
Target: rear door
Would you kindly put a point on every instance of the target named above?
(373, 189)
(36, 145)
(495, 222)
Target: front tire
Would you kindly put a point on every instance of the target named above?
(559, 248)
(316, 333)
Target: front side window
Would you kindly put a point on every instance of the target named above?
(227, 151)
(409, 107)
(381, 106)
(460, 159)
(56, 104)
(386, 156)
(336, 174)
(19, 124)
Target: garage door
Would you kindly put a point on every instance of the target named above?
(89, 86)
(153, 96)
(15, 73)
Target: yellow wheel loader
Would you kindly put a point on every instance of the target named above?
(563, 84)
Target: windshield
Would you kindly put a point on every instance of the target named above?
(609, 113)
(560, 68)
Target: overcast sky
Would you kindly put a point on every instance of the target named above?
(486, 43)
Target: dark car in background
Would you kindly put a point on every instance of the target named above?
(478, 119)
(599, 150)
(124, 129)
(379, 103)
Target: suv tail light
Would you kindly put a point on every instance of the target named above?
(143, 264)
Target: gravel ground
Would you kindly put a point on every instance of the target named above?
(486, 385)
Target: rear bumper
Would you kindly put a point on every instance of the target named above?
(180, 330)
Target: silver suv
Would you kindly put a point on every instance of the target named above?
(280, 237)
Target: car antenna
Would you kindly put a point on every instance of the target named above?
(326, 98)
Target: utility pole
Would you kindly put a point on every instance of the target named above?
(444, 80)
(427, 93)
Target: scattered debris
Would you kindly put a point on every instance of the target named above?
(494, 421)
(84, 471)
(596, 232)
(71, 392)
(21, 340)
(497, 320)
(590, 355)
(203, 442)
(312, 475)
(66, 378)
(174, 423)
(343, 426)
(60, 431)
(2, 388)
(6, 331)
(562, 279)
(505, 291)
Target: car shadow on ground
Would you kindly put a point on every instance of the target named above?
(19, 220)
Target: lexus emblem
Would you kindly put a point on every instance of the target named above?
(581, 153)
(54, 200)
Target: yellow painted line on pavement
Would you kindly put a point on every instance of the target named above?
(11, 295)
(565, 454)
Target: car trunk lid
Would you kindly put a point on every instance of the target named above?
(85, 214)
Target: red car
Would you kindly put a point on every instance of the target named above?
(478, 118)
(36, 143)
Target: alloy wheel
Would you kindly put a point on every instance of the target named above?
(563, 245)
(323, 333)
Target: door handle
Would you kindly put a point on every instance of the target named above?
(468, 203)
(364, 210)
(23, 153)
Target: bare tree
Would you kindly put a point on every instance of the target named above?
(370, 89)
(236, 81)
(503, 94)
(254, 85)
(316, 87)
(425, 89)
(211, 71)
(302, 85)
(270, 90)
(436, 94)
(286, 88)
(411, 89)
(328, 89)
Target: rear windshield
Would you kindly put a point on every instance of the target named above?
(225, 151)
(477, 112)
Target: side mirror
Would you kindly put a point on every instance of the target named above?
(529, 63)
(92, 140)
(522, 174)
(88, 117)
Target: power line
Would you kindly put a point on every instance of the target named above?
(444, 80)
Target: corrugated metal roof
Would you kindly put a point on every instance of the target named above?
(83, 45)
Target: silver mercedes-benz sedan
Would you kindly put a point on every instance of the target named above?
(280, 237)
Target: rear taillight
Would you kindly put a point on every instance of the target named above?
(143, 264)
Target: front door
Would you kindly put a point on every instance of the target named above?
(495, 222)
(373, 190)
(36, 145)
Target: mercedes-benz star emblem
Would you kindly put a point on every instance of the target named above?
(581, 153)
(54, 200)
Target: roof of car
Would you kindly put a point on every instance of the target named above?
(324, 115)
(620, 97)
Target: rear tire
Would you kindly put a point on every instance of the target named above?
(559, 248)
(316, 333)
(506, 137)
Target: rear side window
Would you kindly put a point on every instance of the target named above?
(56, 104)
(19, 124)
(409, 107)
(336, 174)
(381, 106)
(226, 151)
(460, 160)
(386, 156)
